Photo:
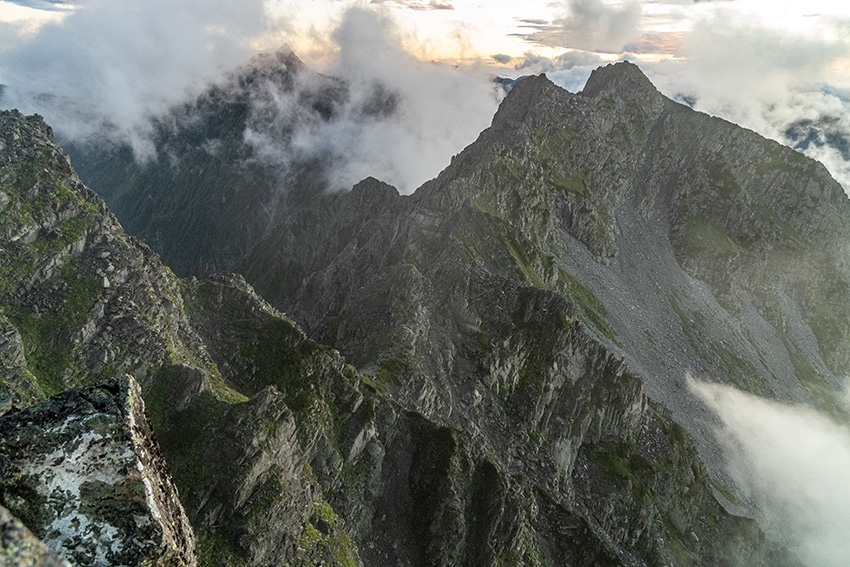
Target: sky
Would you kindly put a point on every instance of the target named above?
(105, 67)
(764, 64)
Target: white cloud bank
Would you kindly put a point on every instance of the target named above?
(593, 25)
(794, 463)
(403, 118)
(110, 65)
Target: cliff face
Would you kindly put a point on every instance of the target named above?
(82, 302)
(672, 236)
(521, 325)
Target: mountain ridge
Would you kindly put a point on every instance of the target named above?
(523, 325)
(660, 212)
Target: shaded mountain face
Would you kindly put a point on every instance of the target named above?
(683, 243)
(494, 420)
(81, 302)
(213, 186)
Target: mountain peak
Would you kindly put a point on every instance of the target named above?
(15, 126)
(526, 95)
(624, 78)
(371, 189)
(282, 57)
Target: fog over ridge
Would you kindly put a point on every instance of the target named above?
(103, 75)
(112, 65)
(792, 461)
(402, 119)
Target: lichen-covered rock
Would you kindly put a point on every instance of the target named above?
(20, 548)
(83, 471)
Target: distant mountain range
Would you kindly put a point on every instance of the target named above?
(490, 371)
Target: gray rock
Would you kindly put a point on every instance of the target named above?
(20, 548)
(83, 471)
(516, 322)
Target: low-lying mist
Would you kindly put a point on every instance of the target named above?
(112, 65)
(793, 462)
(111, 68)
(401, 120)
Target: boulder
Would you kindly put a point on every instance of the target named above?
(83, 471)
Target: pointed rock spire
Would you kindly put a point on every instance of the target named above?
(526, 97)
(624, 78)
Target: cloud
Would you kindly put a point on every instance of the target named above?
(590, 25)
(763, 79)
(402, 119)
(417, 5)
(46, 5)
(662, 43)
(793, 462)
(502, 58)
(568, 70)
(535, 63)
(112, 64)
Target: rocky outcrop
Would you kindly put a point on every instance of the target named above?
(81, 301)
(672, 234)
(20, 548)
(83, 471)
(79, 312)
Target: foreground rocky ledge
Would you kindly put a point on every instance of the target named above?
(20, 548)
(84, 473)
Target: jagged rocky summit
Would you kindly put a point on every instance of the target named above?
(203, 212)
(683, 243)
(521, 325)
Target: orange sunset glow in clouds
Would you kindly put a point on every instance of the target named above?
(780, 67)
